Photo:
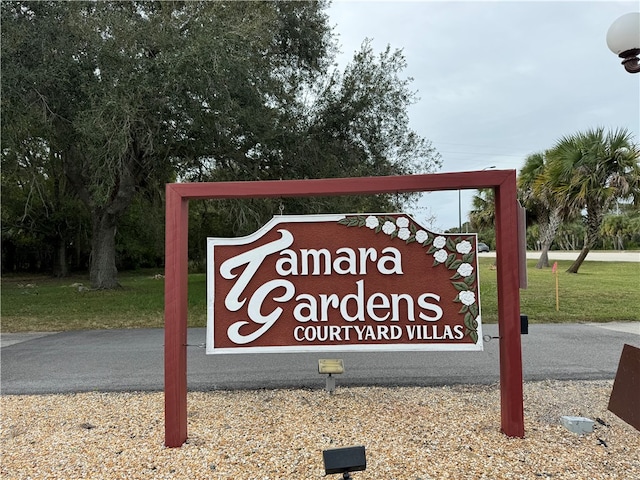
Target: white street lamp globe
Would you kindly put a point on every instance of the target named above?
(623, 39)
(624, 33)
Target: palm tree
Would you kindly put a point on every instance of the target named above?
(537, 198)
(589, 171)
(483, 214)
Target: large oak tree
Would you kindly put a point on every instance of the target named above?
(125, 92)
(129, 95)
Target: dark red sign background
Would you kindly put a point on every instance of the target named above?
(441, 265)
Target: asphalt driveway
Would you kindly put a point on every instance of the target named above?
(132, 360)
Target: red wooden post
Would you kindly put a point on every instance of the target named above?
(507, 262)
(177, 210)
(175, 318)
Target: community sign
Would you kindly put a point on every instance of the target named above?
(373, 282)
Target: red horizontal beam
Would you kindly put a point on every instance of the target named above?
(343, 186)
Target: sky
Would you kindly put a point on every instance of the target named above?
(497, 80)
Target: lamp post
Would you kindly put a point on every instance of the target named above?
(623, 39)
(459, 212)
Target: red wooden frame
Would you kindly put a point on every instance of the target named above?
(177, 217)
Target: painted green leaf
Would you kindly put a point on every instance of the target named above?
(451, 244)
(467, 320)
(460, 286)
(455, 264)
(450, 258)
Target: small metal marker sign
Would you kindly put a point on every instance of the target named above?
(372, 282)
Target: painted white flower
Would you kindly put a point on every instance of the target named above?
(372, 222)
(467, 297)
(439, 242)
(463, 247)
(404, 233)
(465, 269)
(402, 222)
(421, 236)
(389, 227)
(440, 256)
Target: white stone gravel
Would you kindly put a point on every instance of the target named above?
(409, 433)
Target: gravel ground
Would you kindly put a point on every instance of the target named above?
(409, 433)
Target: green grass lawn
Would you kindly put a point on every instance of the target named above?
(601, 292)
(47, 304)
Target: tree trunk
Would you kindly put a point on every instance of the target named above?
(543, 261)
(547, 235)
(578, 262)
(60, 268)
(102, 263)
(103, 273)
(594, 219)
